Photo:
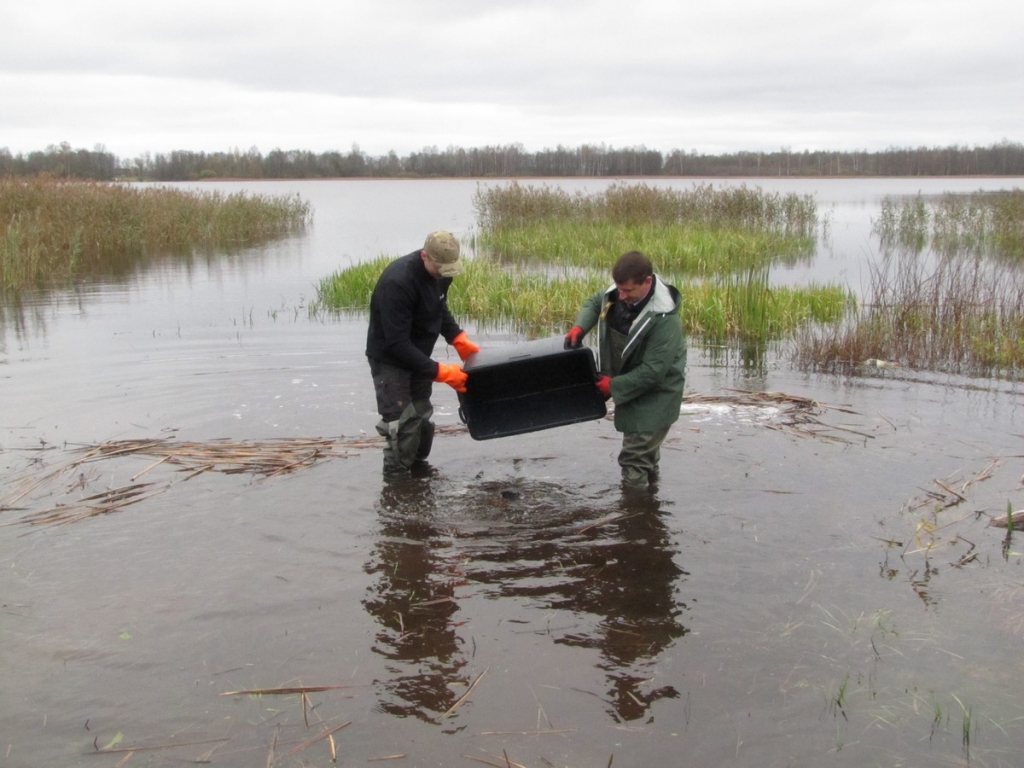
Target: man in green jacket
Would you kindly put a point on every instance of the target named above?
(642, 360)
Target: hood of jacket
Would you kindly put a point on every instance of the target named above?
(665, 301)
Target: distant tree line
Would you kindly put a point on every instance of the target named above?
(1002, 159)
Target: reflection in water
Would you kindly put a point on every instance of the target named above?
(413, 601)
(24, 318)
(621, 579)
(614, 585)
(27, 312)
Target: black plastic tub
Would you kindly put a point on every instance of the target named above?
(527, 387)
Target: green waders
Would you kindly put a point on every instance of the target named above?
(639, 457)
(403, 402)
(641, 451)
(408, 439)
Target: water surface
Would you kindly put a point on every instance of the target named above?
(804, 588)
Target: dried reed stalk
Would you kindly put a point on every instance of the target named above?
(1016, 519)
(121, 750)
(505, 762)
(301, 689)
(275, 457)
(267, 458)
(322, 735)
(96, 504)
(464, 696)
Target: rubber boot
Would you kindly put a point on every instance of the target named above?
(403, 439)
(425, 411)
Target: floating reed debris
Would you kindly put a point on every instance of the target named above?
(464, 696)
(117, 750)
(951, 494)
(282, 456)
(286, 691)
(268, 458)
(797, 415)
(327, 732)
(498, 762)
(1011, 520)
(95, 504)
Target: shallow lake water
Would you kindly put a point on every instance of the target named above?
(806, 587)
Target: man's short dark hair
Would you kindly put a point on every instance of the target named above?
(632, 267)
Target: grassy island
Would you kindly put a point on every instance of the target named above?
(54, 230)
(541, 251)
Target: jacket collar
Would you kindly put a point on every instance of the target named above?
(664, 300)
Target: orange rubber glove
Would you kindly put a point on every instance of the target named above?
(604, 386)
(574, 338)
(464, 346)
(452, 375)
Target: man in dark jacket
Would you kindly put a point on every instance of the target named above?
(642, 358)
(408, 312)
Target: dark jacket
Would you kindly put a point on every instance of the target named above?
(408, 311)
(648, 388)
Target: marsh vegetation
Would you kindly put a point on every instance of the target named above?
(814, 582)
(55, 230)
(988, 222)
(947, 293)
(541, 251)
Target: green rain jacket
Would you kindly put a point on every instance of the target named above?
(648, 390)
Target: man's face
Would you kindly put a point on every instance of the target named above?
(631, 291)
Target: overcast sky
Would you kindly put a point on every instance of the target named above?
(712, 76)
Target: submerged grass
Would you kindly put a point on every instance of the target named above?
(53, 230)
(988, 222)
(962, 315)
(947, 294)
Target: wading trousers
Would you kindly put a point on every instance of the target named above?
(403, 401)
(639, 457)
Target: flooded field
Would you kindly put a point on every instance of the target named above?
(814, 582)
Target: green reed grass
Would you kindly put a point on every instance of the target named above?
(536, 302)
(683, 249)
(699, 231)
(740, 207)
(963, 314)
(988, 222)
(748, 309)
(525, 300)
(55, 229)
(553, 250)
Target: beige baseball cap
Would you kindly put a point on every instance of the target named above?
(443, 249)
